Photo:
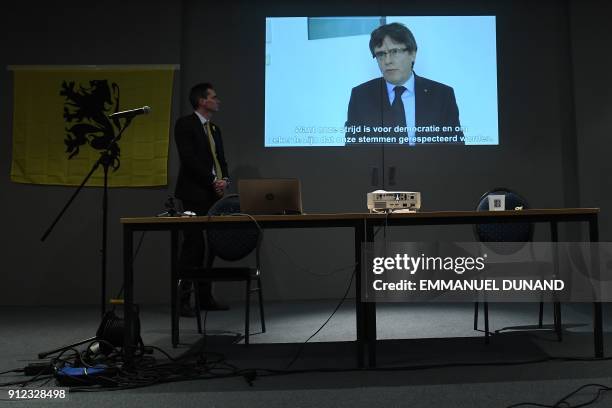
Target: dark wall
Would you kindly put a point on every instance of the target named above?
(590, 32)
(552, 130)
(66, 267)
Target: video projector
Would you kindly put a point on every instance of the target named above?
(394, 201)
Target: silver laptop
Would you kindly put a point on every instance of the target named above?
(270, 196)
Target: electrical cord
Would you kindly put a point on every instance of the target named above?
(120, 293)
(205, 365)
(288, 257)
(297, 354)
(564, 403)
(148, 372)
(194, 365)
(16, 370)
(24, 383)
(308, 271)
(261, 231)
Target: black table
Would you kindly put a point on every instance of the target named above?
(550, 216)
(362, 225)
(354, 221)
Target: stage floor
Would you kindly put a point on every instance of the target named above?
(428, 355)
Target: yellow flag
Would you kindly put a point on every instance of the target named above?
(61, 124)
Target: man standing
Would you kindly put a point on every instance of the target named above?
(407, 104)
(202, 180)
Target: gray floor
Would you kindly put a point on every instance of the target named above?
(433, 366)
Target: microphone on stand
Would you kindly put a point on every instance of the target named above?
(130, 113)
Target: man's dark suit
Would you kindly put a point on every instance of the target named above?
(435, 106)
(195, 179)
(194, 185)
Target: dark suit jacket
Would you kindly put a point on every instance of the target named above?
(195, 179)
(435, 105)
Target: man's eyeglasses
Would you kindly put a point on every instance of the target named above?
(393, 52)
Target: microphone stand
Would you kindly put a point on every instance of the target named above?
(106, 159)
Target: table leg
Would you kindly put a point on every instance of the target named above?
(554, 237)
(173, 287)
(359, 310)
(597, 312)
(370, 314)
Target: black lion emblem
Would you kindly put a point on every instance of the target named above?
(85, 114)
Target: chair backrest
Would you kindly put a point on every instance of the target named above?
(231, 242)
(504, 232)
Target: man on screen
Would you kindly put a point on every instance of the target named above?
(401, 107)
